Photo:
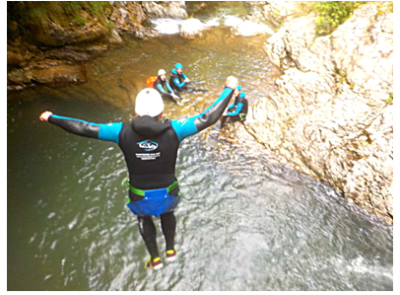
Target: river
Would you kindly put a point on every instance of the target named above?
(243, 223)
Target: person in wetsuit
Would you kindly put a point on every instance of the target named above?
(178, 79)
(150, 149)
(162, 86)
(237, 111)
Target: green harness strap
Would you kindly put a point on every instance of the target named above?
(242, 116)
(141, 192)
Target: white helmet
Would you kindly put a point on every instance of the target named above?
(149, 103)
(162, 72)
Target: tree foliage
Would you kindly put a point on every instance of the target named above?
(333, 13)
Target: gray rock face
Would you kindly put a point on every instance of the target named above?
(331, 117)
(168, 9)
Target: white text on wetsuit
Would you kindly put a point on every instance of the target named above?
(146, 157)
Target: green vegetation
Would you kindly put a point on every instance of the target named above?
(110, 25)
(385, 8)
(389, 100)
(333, 13)
(37, 13)
(390, 6)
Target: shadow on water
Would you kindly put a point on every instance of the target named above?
(243, 223)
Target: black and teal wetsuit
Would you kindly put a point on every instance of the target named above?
(163, 87)
(149, 146)
(237, 111)
(177, 81)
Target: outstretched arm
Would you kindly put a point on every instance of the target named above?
(193, 125)
(108, 132)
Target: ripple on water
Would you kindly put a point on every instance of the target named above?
(243, 223)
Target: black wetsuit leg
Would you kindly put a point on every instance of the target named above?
(149, 234)
(223, 120)
(168, 225)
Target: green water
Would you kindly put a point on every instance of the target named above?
(242, 224)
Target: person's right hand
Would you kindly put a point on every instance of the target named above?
(187, 80)
(45, 116)
(232, 82)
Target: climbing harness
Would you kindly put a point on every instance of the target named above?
(154, 202)
(242, 116)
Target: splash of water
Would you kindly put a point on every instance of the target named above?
(241, 27)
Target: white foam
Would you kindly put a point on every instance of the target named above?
(241, 27)
(167, 26)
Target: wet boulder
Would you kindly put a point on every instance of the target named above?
(49, 72)
(127, 16)
(59, 75)
(115, 38)
(67, 54)
(167, 9)
(53, 34)
(20, 53)
(332, 115)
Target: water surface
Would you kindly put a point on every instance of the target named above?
(242, 224)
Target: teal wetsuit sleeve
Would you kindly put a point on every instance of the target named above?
(107, 132)
(237, 111)
(110, 131)
(186, 127)
(231, 105)
(160, 88)
(168, 87)
(176, 81)
(184, 76)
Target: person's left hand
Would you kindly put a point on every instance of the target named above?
(45, 116)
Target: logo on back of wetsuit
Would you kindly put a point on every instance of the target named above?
(148, 145)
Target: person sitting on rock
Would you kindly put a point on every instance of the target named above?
(162, 86)
(237, 111)
(178, 79)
